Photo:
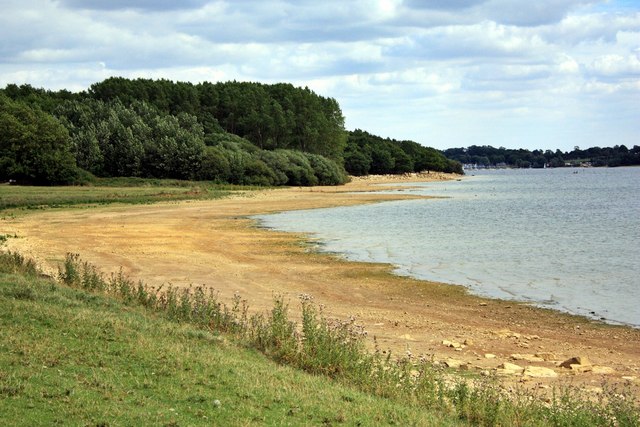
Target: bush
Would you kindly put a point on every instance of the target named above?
(258, 173)
(214, 165)
(326, 171)
(278, 162)
(298, 170)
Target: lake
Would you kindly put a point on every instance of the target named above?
(567, 238)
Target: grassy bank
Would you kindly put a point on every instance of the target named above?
(70, 357)
(112, 190)
(107, 350)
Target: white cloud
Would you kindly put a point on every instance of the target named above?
(132, 4)
(567, 65)
(445, 73)
(616, 65)
(530, 13)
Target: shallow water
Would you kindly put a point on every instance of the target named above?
(567, 239)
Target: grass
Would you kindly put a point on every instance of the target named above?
(71, 357)
(111, 190)
(108, 351)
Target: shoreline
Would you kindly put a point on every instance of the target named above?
(216, 243)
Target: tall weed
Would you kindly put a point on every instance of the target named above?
(336, 349)
(14, 263)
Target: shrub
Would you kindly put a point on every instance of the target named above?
(326, 171)
(215, 165)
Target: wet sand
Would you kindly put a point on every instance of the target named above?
(214, 243)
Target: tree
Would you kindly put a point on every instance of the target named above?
(34, 147)
(357, 161)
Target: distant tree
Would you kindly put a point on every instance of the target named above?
(382, 162)
(556, 162)
(177, 146)
(366, 153)
(34, 147)
(357, 161)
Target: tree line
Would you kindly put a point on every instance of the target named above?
(370, 154)
(235, 132)
(488, 156)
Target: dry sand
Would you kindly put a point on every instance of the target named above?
(213, 243)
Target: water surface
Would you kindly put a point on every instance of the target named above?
(566, 239)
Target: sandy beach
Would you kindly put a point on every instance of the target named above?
(214, 243)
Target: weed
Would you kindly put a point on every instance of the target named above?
(14, 263)
(336, 349)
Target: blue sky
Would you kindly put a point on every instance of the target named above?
(446, 73)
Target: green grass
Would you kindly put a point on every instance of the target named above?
(108, 351)
(70, 357)
(111, 190)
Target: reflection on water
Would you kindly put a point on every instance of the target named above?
(561, 238)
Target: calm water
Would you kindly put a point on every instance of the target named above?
(567, 239)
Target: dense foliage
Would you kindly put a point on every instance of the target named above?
(366, 153)
(34, 146)
(232, 132)
(269, 116)
(487, 156)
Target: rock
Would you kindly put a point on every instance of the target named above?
(526, 357)
(510, 366)
(577, 360)
(452, 344)
(489, 356)
(453, 363)
(407, 337)
(546, 356)
(539, 372)
(629, 378)
(502, 333)
(581, 368)
(603, 370)
(509, 369)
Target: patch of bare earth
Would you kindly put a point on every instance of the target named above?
(214, 243)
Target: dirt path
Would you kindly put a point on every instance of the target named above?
(215, 244)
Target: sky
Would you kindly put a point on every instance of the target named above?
(543, 74)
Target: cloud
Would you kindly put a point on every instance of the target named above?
(590, 28)
(616, 66)
(483, 40)
(436, 72)
(530, 13)
(442, 4)
(146, 5)
(508, 12)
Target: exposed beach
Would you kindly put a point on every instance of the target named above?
(215, 243)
